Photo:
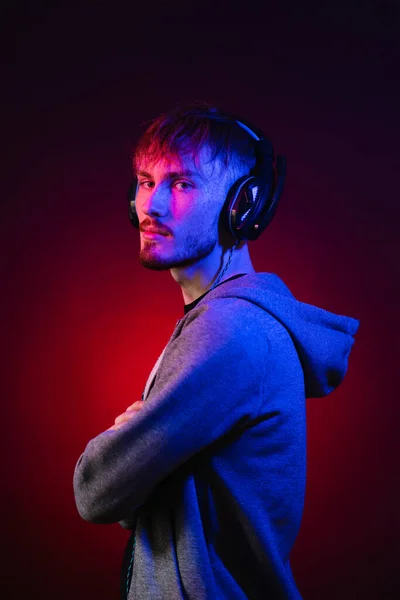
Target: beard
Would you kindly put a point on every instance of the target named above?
(193, 250)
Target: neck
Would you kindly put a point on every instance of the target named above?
(197, 279)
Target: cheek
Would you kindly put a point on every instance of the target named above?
(139, 200)
(208, 212)
(185, 207)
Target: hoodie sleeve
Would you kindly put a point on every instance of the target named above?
(209, 381)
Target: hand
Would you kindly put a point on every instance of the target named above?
(127, 415)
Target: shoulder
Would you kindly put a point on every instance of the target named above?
(232, 320)
(223, 310)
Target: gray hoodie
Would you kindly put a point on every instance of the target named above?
(210, 473)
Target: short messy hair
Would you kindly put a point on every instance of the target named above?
(188, 128)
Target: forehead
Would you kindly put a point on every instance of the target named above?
(200, 165)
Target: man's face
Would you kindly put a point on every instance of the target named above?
(182, 203)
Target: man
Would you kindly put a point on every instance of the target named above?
(208, 469)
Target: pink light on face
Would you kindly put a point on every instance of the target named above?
(149, 235)
(149, 226)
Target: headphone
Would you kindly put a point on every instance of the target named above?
(252, 200)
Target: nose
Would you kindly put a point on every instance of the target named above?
(154, 202)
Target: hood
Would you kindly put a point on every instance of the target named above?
(323, 340)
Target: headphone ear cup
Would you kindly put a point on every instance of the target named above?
(240, 205)
(134, 219)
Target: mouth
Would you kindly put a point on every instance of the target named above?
(152, 235)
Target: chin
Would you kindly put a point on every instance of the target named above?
(153, 263)
(152, 258)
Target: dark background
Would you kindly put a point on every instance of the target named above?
(83, 322)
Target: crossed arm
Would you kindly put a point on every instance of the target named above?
(211, 378)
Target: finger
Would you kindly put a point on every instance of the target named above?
(119, 421)
(114, 427)
(124, 417)
(136, 405)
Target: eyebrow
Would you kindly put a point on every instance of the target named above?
(171, 174)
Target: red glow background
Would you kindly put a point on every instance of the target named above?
(83, 322)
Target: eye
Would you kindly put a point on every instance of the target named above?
(185, 185)
(146, 184)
